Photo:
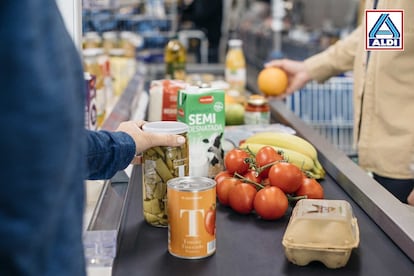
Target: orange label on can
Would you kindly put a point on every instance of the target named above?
(192, 223)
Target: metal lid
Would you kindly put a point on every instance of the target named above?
(191, 183)
(91, 52)
(110, 35)
(169, 127)
(92, 36)
(257, 100)
(116, 52)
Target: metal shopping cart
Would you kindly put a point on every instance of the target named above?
(328, 108)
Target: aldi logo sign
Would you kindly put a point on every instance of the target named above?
(384, 30)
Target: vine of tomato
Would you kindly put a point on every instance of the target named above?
(270, 203)
(241, 198)
(265, 156)
(310, 188)
(252, 175)
(286, 176)
(235, 161)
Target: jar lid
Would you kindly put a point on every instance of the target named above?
(257, 100)
(91, 52)
(168, 127)
(92, 36)
(110, 35)
(126, 34)
(116, 52)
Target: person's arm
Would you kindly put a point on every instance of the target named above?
(338, 58)
(109, 152)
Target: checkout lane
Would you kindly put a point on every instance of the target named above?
(249, 246)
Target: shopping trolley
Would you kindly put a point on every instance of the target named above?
(328, 108)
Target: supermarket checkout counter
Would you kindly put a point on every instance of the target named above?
(249, 246)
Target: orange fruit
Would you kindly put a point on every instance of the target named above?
(272, 81)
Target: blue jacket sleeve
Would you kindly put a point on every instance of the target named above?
(107, 153)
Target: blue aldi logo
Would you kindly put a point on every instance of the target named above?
(384, 30)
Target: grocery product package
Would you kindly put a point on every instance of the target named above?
(202, 109)
(90, 103)
(321, 230)
(163, 99)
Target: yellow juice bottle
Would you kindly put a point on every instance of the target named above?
(235, 71)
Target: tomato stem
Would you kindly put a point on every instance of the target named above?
(251, 159)
(246, 180)
(249, 151)
(295, 198)
(260, 169)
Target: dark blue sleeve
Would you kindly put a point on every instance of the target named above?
(108, 152)
(42, 143)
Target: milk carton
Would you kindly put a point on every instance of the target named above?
(202, 109)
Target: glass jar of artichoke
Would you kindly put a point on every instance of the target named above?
(160, 164)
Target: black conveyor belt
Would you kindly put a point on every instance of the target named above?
(249, 246)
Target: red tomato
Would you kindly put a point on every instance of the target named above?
(265, 156)
(222, 175)
(210, 221)
(223, 189)
(241, 198)
(311, 188)
(235, 161)
(253, 176)
(286, 176)
(270, 203)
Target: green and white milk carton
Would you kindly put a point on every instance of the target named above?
(202, 109)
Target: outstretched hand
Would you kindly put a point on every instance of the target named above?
(145, 140)
(296, 71)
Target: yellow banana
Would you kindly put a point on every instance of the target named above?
(300, 160)
(290, 142)
(284, 140)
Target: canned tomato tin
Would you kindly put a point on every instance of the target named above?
(191, 217)
(160, 164)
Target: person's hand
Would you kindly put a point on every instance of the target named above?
(145, 140)
(296, 71)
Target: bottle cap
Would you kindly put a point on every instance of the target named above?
(235, 42)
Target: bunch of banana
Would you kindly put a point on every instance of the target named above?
(294, 149)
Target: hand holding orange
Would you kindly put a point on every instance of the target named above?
(272, 81)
